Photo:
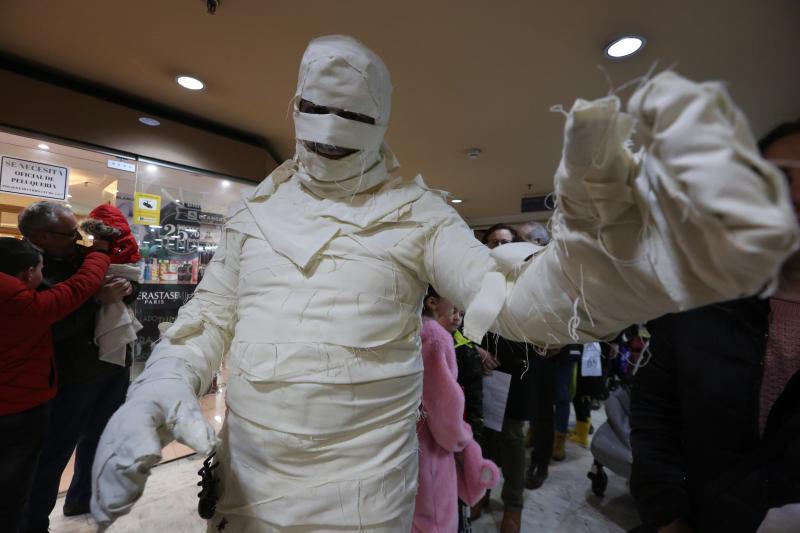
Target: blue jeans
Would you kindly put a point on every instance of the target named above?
(78, 415)
(563, 379)
(543, 419)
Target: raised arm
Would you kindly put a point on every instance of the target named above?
(695, 217)
(63, 298)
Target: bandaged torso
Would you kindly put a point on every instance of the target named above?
(330, 339)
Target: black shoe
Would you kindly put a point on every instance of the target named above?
(73, 509)
(482, 505)
(599, 479)
(535, 476)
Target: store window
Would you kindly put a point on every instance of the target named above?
(175, 214)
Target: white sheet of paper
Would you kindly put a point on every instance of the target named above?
(590, 363)
(495, 396)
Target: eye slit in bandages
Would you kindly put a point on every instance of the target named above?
(306, 106)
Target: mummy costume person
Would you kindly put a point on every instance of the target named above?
(316, 289)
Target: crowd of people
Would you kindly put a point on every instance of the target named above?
(706, 405)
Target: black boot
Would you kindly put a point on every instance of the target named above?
(535, 476)
(599, 479)
(72, 509)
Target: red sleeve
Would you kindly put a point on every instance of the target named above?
(53, 304)
(442, 399)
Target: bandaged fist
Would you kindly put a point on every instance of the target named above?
(159, 409)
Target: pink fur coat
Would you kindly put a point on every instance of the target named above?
(450, 462)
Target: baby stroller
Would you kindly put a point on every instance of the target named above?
(611, 444)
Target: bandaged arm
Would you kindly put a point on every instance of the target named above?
(162, 403)
(697, 217)
(202, 332)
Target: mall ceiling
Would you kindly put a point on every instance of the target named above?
(467, 73)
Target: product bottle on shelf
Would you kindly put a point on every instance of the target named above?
(163, 269)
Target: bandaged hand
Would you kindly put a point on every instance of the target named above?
(161, 407)
(593, 181)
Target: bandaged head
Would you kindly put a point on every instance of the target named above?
(343, 101)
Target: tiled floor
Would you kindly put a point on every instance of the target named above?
(565, 504)
(169, 505)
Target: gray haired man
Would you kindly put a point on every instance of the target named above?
(89, 390)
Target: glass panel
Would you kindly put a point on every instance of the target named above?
(189, 209)
(89, 176)
(192, 208)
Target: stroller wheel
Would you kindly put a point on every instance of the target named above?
(599, 479)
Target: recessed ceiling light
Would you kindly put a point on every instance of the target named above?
(188, 82)
(42, 146)
(151, 168)
(456, 201)
(624, 46)
(149, 121)
(225, 183)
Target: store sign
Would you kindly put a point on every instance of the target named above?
(146, 209)
(187, 213)
(29, 178)
(121, 165)
(211, 219)
(157, 303)
(179, 239)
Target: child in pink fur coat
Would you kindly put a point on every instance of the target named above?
(450, 462)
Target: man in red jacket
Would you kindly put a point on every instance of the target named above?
(27, 370)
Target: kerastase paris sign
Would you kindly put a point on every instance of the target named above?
(160, 297)
(29, 178)
(155, 304)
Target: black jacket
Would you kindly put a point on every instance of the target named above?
(515, 359)
(697, 453)
(470, 377)
(76, 354)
